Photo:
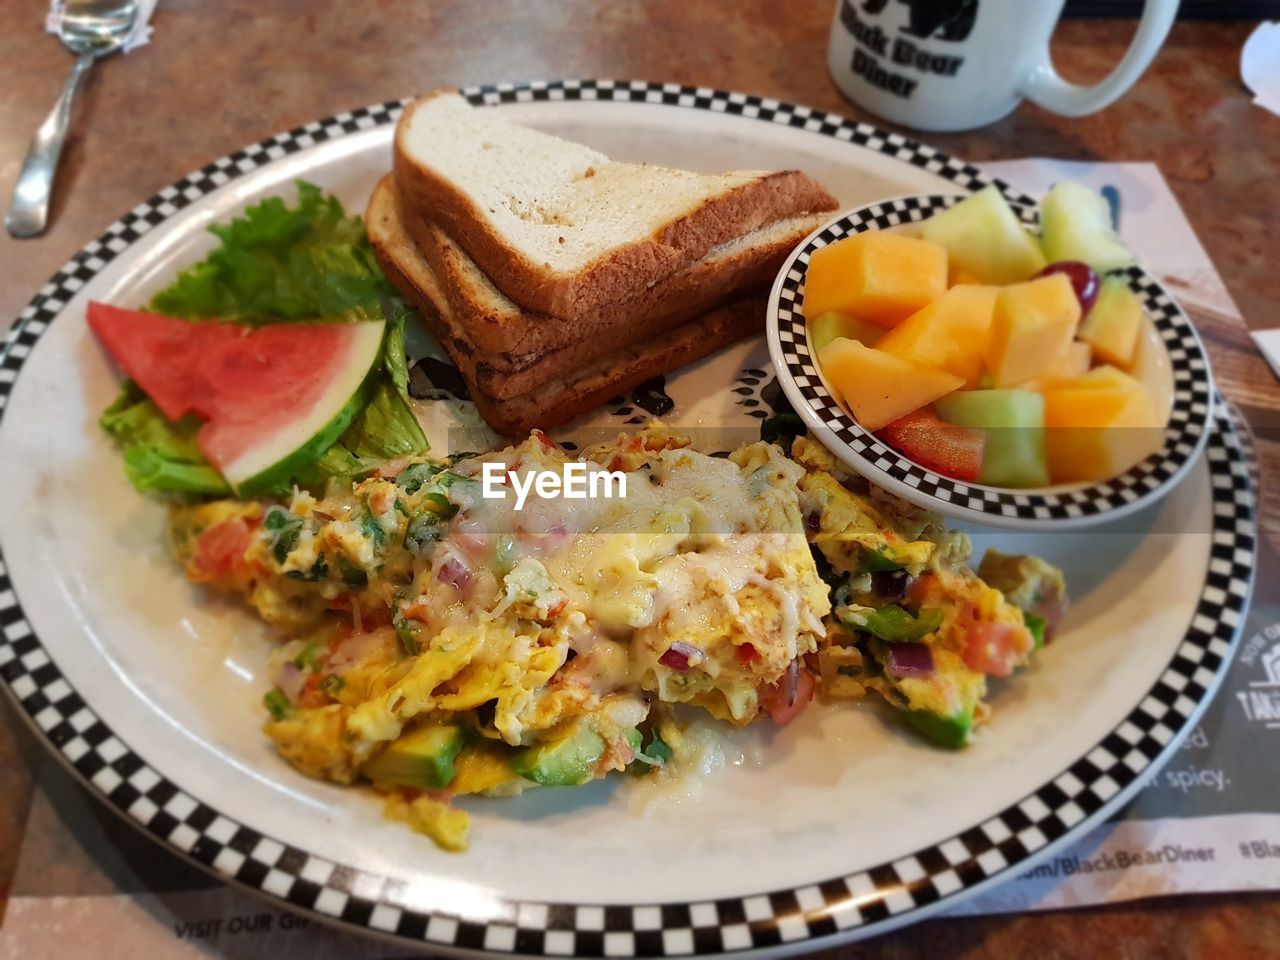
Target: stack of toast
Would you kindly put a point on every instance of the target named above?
(555, 277)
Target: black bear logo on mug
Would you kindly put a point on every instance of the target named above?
(944, 19)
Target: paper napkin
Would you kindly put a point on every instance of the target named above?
(1260, 66)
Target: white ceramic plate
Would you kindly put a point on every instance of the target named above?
(841, 825)
(1171, 362)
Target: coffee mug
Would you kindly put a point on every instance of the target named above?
(960, 64)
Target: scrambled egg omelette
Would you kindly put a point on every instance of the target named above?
(439, 643)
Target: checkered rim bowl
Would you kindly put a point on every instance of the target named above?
(1145, 482)
(773, 921)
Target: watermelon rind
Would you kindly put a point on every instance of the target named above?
(265, 468)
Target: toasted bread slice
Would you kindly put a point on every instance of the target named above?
(413, 275)
(539, 348)
(584, 390)
(496, 323)
(563, 229)
(581, 387)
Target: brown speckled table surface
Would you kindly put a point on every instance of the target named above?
(220, 75)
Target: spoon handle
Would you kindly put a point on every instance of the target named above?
(29, 211)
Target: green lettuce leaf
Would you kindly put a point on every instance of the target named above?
(388, 428)
(279, 263)
(159, 455)
(394, 359)
(336, 462)
(148, 471)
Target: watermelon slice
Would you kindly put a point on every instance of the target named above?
(272, 398)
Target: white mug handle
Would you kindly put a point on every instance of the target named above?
(1047, 88)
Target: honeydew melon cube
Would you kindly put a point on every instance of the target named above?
(1013, 421)
(1075, 224)
(985, 239)
(1113, 325)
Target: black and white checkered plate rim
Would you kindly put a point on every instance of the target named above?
(810, 916)
(1189, 419)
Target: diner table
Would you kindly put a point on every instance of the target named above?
(216, 76)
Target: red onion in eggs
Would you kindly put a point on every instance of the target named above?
(913, 660)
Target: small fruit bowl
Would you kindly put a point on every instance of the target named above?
(1169, 362)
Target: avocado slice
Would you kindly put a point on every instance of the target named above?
(566, 762)
(421, 758)
(929, 708)
(952, 731)
(1037, 625)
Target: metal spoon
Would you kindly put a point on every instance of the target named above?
(89, 29)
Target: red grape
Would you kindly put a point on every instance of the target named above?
(1082, 278)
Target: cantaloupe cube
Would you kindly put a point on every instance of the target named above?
(1113, 324)
(958, 277)
(1074, 362)
(1106, 377)
(1099, 425)
(950, 333)
(1031, 327)
(878, 276)
(878, 387)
